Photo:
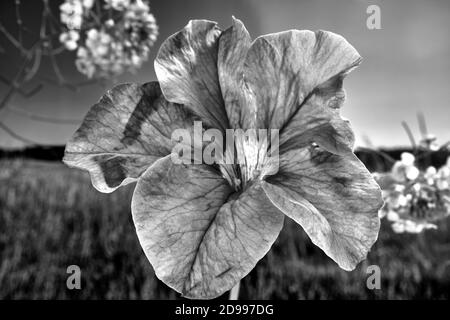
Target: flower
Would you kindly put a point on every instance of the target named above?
(414, 200)
(409, 226)
(72, 13)
(430, 175)
(87, 4)
(429, 142)
(69, 39)
(204, 227)
(404, 169)
(108, 47)
(118, 4)
(83, 63)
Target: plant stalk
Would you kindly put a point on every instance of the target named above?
(234, 292)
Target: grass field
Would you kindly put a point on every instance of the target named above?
(51, 217)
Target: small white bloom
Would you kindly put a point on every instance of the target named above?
(442, 184)
(82, 52)
(412, 173)
(382, 213)
(135, 60)
(430, 175)
(444, 172)
(66, 7)
(71, 45)
(416, 187)
(118, 5)
(392, 216)
(398, 227)
(412, 227)
(69, 39)
(407, 159)
(92, 33)
(88, 4)
(109, 23)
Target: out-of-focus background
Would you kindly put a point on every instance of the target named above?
(405, 67)
(51, 217)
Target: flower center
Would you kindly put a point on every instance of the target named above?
(250, 158)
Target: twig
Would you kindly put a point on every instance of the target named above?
(19, 21)
(29, 68)
(56, 69)
(16, 136)
(22, 92)
(42, 118)
(35, 67)
(422, 124)
(410, 135)
(13, 40)
(15, 83)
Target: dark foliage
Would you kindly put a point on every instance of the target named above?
(51, 217)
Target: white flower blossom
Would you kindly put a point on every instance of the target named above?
(414, 199)
(69, 39)
(72, 14)
(407, 159)
(118, 4)
(112, 46)
(87, 4)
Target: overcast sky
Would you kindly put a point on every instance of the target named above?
(405, 69)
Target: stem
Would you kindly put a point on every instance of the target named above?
(410, 136)
(234, 292)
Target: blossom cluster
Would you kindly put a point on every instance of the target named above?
(114, 38)
(415, 199)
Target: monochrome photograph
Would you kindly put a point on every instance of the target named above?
(224, 155)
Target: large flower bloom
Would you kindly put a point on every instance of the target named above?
(203, 231)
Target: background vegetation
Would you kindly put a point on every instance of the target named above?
(51, 217)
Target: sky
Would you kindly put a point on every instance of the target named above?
(405, 66)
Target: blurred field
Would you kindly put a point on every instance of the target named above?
(51, 217)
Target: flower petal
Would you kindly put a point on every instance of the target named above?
(200, 237)
(124, 133)
(284, 69)
(314, 122)
(234, 44)
(186, 67)
(333, 197)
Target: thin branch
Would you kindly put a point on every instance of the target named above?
(56, 51)
(410, 135)
(71, 86)
(234, 292)
(19, 21)
(17, 136)
(56, 69)
(422, 124)
(29, 68)
(13, 40)
(35, 67)
(53, 21)
(25, 94)
(41, 118)
(15, 83)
